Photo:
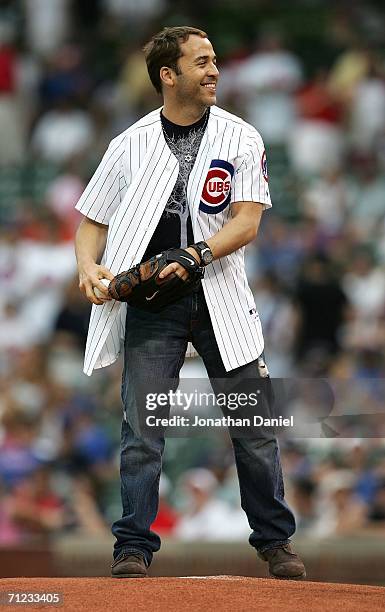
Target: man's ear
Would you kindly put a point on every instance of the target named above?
(167, 76)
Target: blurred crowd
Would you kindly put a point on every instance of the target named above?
(72, 76)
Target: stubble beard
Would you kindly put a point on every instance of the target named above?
(188, 99)
(191, 98)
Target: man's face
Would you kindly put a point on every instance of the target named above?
(199, 73)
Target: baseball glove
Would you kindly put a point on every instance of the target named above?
(141, 286)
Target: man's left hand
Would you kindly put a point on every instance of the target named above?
(177, 268)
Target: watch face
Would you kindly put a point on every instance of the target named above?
(206, 256)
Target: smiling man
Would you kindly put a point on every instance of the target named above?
(193, 178)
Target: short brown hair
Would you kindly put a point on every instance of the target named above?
(164, 50)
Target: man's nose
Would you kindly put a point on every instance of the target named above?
(213, 70)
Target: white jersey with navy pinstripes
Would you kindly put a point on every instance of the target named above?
(129, 192)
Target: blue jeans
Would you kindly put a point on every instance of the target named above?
(155, 346)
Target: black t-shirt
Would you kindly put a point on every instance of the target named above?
(174, 229)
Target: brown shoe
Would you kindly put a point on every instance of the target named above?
(129, 565)
(284, 563)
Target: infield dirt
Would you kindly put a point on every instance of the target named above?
(193, 594)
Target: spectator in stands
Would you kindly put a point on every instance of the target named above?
(376, 512)
(315, 101)
(131, 10)
(364, 286)
(340, 511)
(328, 200)
(316, 143)
(321, 305)
(29, 378)
(89, 449)
(47, 24)
(135, 94)
(10, 532)
(87, 516)
(366, 192)
(15, 331)
(12, 124)
(60, 133)
(167, 518)
(51, 264)
(348, 70)
(303, 496)
(265, 82)
(206, 517)
(36, 507)
(17, 458)
(367, 107)
(279, 321)
(74, 315)
(66, 77)
(62, 194)
(280, 250)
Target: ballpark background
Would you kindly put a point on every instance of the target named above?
(310, 76)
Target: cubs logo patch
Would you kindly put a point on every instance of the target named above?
(217, 188)
(264, 167)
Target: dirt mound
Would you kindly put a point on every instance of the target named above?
(195, 593)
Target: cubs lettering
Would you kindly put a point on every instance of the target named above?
(214, 186)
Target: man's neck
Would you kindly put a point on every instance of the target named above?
(183, 116)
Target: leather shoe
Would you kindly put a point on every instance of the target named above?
(129, 565)
(284, 563)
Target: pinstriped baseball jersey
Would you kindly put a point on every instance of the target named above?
(129, 192)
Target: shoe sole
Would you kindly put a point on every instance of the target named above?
(129, 576)
(299, 577)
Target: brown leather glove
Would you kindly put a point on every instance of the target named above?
(141, 286)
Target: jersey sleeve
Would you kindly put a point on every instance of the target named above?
(251, 181)
(102, 195)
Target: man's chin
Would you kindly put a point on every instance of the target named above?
(210, 100)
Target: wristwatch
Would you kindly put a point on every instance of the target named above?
(204, 252)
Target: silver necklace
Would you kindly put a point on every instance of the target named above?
(172, 142)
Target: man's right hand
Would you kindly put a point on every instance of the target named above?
(90, 242)
(90, 277)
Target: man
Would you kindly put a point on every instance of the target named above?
(187, 174)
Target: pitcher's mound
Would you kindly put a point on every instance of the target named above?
(196, 593)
